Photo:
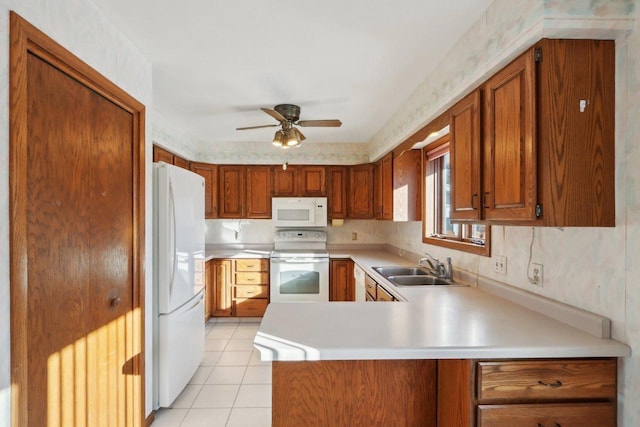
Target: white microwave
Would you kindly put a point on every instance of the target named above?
(299, 211)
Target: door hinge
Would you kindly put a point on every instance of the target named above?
(538, 210)
(537, 54)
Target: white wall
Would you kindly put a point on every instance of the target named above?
(79, 27)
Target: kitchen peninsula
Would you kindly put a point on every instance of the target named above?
(440, 356)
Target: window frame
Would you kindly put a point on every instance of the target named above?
(430, 153)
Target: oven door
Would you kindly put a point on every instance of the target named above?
(295, 279)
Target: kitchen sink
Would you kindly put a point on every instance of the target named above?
(402, 271)
(420, 280)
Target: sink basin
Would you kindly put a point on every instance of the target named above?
(417, 280)
(402, 271)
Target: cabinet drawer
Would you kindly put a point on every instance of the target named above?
(383, 295)
(552, 379)
(252, 264)
(548, 415)
(252, 278)
(251, 307)
(252, 291)
(371, 286)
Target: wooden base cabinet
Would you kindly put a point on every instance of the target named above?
(251, 287)
(221, 302)
(341, 280)
(506, 393)
(240, 287)
(550, 414)
(352, 393)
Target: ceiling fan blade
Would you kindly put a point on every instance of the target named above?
(257, 127)
(273, 113)
(320, 123)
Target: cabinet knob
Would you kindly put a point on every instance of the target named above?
(114, 302)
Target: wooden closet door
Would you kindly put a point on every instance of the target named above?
(77, 358)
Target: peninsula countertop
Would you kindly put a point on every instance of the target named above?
(432, 322)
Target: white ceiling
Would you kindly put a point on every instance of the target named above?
(215, 63)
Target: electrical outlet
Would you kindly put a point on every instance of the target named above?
(536, 274)
(500, 264)
(354, 235)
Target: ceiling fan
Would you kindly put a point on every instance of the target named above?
(288, 115)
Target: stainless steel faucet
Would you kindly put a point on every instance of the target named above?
(442, 270)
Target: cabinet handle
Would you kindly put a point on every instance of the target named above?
(554, 385)
(484, 200)
(473, 196)
(555, 425)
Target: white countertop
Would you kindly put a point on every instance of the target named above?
(433, 322)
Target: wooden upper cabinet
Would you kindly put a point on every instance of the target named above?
(162, 155)
(361, 191)
(179, 161)
(299, 181)
(259, 188)
(231, 191)
(465, 160)
(383, 188)
(377, 189)
(546, 157)
(337, 177)
(210, 174)
(312, 181)
(406, 193)
(397, 188)
(509, 191)
(285, 182)
(575, 132)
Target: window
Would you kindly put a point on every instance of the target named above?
(436, 221)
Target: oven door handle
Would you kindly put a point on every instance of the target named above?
(299, 260)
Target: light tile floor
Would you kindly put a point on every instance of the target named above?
(232, 387)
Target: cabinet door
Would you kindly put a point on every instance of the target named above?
(337, 192)
(341, 280)
(509, 191)
(387, 186)
(361, 191)
(210, 174)
(312, 181)
(231, 194)
(162, 155)
(259, 186)
(222, 288)
(466, 184)
(179, 161)
(377, 189)
(285, 182)
(208, 289)
(406, 193)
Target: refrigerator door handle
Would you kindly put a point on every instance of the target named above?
(196, 303)
(172, 215)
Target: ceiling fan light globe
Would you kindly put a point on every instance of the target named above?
(278, 139)
(292, 139)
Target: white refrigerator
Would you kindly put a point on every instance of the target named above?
(178, 291)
